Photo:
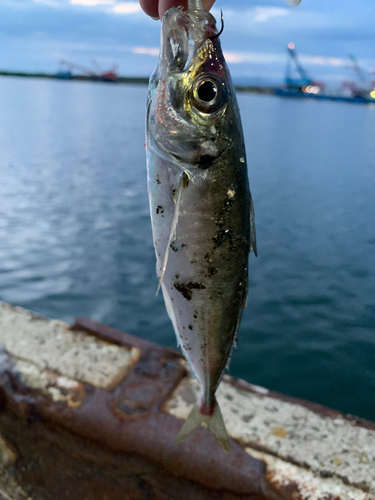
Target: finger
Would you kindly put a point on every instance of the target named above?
(207, 4)
(150, 7)
(164, 5)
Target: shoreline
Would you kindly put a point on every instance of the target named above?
(257, 89)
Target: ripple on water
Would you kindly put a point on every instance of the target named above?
(75, 234)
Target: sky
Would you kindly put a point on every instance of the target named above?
(35, 35)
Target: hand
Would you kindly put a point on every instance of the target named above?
(157, 8)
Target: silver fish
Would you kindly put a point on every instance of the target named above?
(201, 208)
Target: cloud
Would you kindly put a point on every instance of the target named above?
(264, 14)
(109, 5)
(92, 3)
(126, 8)
(241, 57)
(324, 61)
(252, 57)
(50, 3)
(258, 14)
(255, 34)
(252, 16)
(269, 58)
(150, 51)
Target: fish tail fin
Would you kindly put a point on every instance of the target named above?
(217, 426)
(212, 418)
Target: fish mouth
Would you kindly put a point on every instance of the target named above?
(190, 93)
(184, 32)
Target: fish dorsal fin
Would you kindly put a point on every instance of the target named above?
(183, 183)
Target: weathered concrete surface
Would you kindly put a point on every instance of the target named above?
(90, 412)
(320, 452)
(51, 344)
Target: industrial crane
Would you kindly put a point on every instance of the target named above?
(364, 87)
(302, 84)
(109, 75)
(82, 69)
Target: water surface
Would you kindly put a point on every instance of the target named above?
(75, 234)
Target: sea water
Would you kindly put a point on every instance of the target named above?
(75, 233)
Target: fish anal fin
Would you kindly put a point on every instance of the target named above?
(214, 423)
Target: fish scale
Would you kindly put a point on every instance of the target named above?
(200, 203)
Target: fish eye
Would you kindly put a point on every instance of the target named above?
(207, 91)
(209, 94)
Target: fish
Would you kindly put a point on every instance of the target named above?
(202, 213)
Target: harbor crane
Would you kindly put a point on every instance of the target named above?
(303, 83)
(364, 86)
(108, 76)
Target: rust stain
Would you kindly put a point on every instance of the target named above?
(288, 490)
(126, 422)
(278, 432)
(102, 442)
(8, 453)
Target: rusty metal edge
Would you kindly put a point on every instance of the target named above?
(150, 437)
(118, 337)
(110, 334)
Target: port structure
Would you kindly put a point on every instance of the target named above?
(99, 73)
(363, 87)
(303, 83)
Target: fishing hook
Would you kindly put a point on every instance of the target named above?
(221, 30)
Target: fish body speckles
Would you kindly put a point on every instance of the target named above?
(200, 203)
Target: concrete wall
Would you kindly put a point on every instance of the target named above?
(89, 412)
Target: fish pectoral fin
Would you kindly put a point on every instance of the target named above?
(183, 182)
(253, 234)
(215, 425)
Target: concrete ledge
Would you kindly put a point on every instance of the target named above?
(89, 412)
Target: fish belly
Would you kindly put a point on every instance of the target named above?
(205, 281)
